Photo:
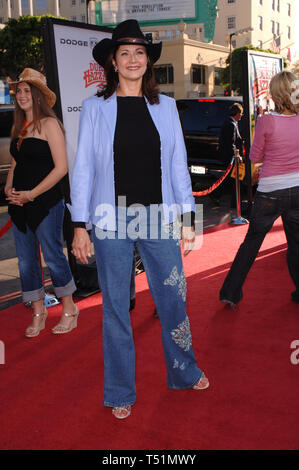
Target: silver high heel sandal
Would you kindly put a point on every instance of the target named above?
(121, 412)
(33, 331)
(61, 329)
(202, 384)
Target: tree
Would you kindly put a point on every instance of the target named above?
(21, 45)
(237, 75)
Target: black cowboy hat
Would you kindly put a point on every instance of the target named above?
(127, 32)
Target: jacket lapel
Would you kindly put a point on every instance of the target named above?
(158, 118)
(109, 113)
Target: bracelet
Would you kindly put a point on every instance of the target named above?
(28, 196)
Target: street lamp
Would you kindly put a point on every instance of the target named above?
(236, 33)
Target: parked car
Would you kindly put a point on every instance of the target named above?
(202, 120)
(6, 121)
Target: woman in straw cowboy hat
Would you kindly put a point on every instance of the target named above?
(131, 162)
(35, 196)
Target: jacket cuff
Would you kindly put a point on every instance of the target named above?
(79, 225)
(188, 219)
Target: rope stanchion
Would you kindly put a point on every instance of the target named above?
(238, 220)
(5, 228)
(217, 183)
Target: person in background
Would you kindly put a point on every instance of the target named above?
(229, 140)
(131, 154)
(230, 137)
(276, 146)
(36, 201)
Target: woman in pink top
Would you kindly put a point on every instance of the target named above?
(276, 146)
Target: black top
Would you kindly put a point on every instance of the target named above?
(33, 163)
(137, 160)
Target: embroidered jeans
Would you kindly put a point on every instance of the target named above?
(49, 235)
(163, 265)
(266, 209)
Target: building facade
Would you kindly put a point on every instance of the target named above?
(273, 23)
(188, 67)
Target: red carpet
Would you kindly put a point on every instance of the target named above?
(51, 386)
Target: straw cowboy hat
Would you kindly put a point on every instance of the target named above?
(127, 32)
(37, 79)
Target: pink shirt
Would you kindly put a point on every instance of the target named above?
(276, 144)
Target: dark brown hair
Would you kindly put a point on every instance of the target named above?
(235, 108)
(41, 109)
(149, 85)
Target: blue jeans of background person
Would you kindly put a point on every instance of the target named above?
(49, 235)
(266, 209)
(163, 265)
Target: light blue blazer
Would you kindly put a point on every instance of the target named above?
(92, 182)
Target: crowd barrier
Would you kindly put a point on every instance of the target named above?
(5, 228)
(217, 183)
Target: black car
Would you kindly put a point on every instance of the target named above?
(201, 121)
(6, 121)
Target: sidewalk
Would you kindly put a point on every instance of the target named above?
(9, 274)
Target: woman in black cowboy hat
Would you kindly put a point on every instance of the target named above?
(131, 159)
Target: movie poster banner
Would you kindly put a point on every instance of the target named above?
(258, 68)
(261, 68)
(78, 76)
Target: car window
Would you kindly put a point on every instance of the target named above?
(6, 121)
(205, 116)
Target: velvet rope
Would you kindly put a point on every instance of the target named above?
(5, 228)
(217, 183)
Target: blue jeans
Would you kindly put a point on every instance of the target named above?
(163, 265)
(266, 209)
(49, 235)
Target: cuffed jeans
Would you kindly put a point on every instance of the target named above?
(266, 209)
(163, 265)
(49, 235)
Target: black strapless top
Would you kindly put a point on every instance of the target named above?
(33, 163)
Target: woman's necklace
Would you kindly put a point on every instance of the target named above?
(23, 133)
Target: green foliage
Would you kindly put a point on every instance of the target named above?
(21, 45)
(237, 74)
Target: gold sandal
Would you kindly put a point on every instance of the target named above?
(33, 331)
(121, 412)
(61, 329)
(202, 383)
